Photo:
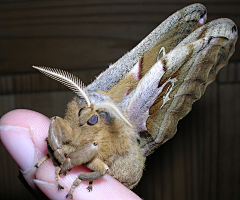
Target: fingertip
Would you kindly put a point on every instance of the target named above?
(18, 143)
(23, 134)
(35, 122)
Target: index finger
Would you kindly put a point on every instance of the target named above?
(23, 133)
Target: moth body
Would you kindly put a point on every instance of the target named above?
(135, 105)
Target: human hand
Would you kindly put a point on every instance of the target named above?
(23, 134)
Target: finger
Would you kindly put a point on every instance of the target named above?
(104, 188)
(22, 132)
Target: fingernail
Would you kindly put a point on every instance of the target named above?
(50, 190)
(18, 143)
(43, 183)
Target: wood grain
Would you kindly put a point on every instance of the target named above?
(200, 162)
(83, 34)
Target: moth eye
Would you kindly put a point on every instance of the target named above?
(79, 113)
(93, 120)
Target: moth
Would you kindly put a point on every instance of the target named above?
(133, 107)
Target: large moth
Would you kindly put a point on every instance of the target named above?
(133, 107)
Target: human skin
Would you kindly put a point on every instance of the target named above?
(23, 134)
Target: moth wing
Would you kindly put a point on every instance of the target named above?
(168, 34)
(167, 91)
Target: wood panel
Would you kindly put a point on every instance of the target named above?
(230, 74)
(29, 82)
(229, 137)
(200, 162)
(84, 34)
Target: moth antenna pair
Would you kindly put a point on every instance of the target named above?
(77, 86)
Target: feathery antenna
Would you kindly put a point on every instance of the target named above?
(66, 78)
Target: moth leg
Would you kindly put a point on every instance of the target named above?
(89, 188)
(67, 166)
(57, 173)
(98, 167)
(41, 161)
(57, 130)
(80, 156)
(54, 141)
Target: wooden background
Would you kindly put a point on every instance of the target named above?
(201, 162)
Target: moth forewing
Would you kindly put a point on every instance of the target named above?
(165, 35)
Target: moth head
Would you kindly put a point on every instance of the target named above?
(103, 123)
(103, 110)
(92, 115)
